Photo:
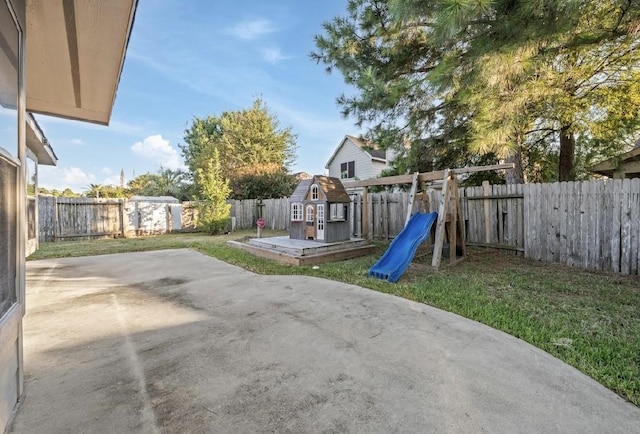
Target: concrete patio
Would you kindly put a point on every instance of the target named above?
(178, 342)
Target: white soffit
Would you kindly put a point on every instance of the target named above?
(75, 50)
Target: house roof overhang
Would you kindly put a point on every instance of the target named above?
(38, 143)
(75, 51)
(608, 167)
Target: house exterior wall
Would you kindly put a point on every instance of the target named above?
(365, 168)
(13, 206)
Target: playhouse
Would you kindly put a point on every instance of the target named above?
(319, 210)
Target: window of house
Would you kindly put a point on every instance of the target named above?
(338, 211)
(309, 214)
(9, 63)
(31, 176)
(296, 212)
(348, 170)
(314, 192)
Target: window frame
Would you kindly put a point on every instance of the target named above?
(296, 212)
(338, 212)
(348, 170)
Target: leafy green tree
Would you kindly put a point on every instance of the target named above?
(213, 210)
(248, 141)
(535, 82)
(113, 192)
(93, 190)
(265, 186)
(166, 182)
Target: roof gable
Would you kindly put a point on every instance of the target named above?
(368, 149)
(332, 188)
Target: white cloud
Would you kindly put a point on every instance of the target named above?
(111, 180)
(251, 29)
(59, 178)
(158, 150)
(273, 55)
(76, 142)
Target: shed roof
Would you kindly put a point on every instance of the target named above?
(301, 190)
(332, 188)
(157, 199)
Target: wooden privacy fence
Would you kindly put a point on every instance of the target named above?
(274, 211)
(593, 225)
(76, 217)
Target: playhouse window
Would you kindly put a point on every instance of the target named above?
(338, 211)
(314, 192)
(309, 213)
(348, 170)
(296, 212)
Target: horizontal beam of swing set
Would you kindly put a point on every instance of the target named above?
(423, 177)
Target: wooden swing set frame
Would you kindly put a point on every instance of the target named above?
(450, 223)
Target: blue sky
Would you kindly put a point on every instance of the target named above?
(195, 58)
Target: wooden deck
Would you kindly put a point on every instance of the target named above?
(303, 252)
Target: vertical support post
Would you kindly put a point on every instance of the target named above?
(442, 217)
(462, 235)
(486, 191)
(121, 216)
(21, 280)
(453, 225)
(412, 195)
(365, 213)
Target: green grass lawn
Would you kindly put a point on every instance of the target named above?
(589, 320)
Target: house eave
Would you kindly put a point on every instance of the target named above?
(38, 143)
(75, 53)
(611, 165)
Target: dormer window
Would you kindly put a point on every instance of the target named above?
(314, 192)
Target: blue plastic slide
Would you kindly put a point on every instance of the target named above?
(403, 248)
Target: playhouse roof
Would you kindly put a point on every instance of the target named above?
(332, 188)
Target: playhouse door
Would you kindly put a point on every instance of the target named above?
(320, 222)
(309, 222)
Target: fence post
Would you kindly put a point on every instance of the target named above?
(486, 192)
(365, 213)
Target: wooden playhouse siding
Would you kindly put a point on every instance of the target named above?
(365, 168)
(336, 231)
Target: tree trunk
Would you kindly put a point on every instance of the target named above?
(515, 175)
(567, 155)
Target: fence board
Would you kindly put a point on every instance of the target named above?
(634, 219)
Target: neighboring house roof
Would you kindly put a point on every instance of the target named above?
(368, 148)
(629, 162)
(75, 51)
(299, 176)
(332, 188)
(38, 143)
